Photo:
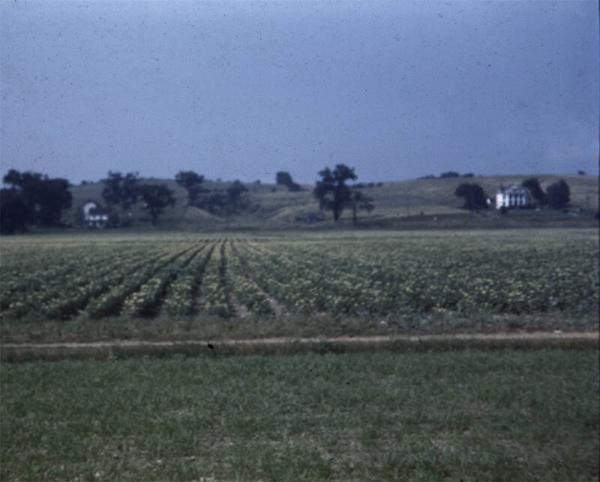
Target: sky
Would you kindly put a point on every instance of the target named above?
(243, 89)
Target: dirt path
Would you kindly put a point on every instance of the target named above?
(288, 345)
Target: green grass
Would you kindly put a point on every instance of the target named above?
(470, 415)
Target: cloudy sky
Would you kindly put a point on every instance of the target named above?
(241, 89)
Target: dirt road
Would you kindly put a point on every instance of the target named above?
(267, 346)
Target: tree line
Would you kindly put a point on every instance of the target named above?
(34, 199)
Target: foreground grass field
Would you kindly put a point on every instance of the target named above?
(470, 415)
(176, 286)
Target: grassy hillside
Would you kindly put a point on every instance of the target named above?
(400, 203)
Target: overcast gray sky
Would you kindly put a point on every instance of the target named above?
(243, 89)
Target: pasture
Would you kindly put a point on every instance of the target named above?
(171, 286)
(414, 204)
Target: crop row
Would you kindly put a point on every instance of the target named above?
(182, 298)
(444, 277)
(138, 291)
(263, 277)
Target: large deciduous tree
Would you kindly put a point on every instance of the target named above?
(332, 192)
(558, 194)
(13, 211)
(121, 190)
(535, 189)
(284, 178)
(192, 182)
(156, 198)
(473, 195)
(234, 194)
(41, 200)
(54, 198)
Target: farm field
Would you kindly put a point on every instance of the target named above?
(170, 286)
(469, 415)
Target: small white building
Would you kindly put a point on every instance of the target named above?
(94, 216)
(513, 197)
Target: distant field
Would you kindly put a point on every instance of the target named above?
(169, 286)
(401, 204)
(471, 416)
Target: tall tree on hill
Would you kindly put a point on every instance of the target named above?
(284, 178)
(332, 192)
(234, 195)
(558, 194)
(535, 189)
(156, 198)
(192, 183)
(473, 195)
(121, 190)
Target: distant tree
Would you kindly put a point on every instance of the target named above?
(54, 197)
(468, 174)
(535, 189)
(581, 173)
(45, 198)
(215, 202)
(332, 192)
(284, 178)
(121, 190)
(27, 184)
(234, 195)
(192, 183)
(427, 176)
(156, 198)
(473, 195)
(558, 194)
(360, 201)
(448, 174)
(14, 213)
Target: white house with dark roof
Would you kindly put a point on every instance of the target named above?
(94, 216)
(513, 197)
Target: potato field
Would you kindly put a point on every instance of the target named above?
(95, 277)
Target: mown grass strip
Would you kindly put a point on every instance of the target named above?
(469, 415)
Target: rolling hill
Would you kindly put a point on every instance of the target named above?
(420, 202)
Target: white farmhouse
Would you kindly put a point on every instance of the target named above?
(94, 216)
(513, 197)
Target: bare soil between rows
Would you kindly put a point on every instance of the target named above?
(112, 349)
